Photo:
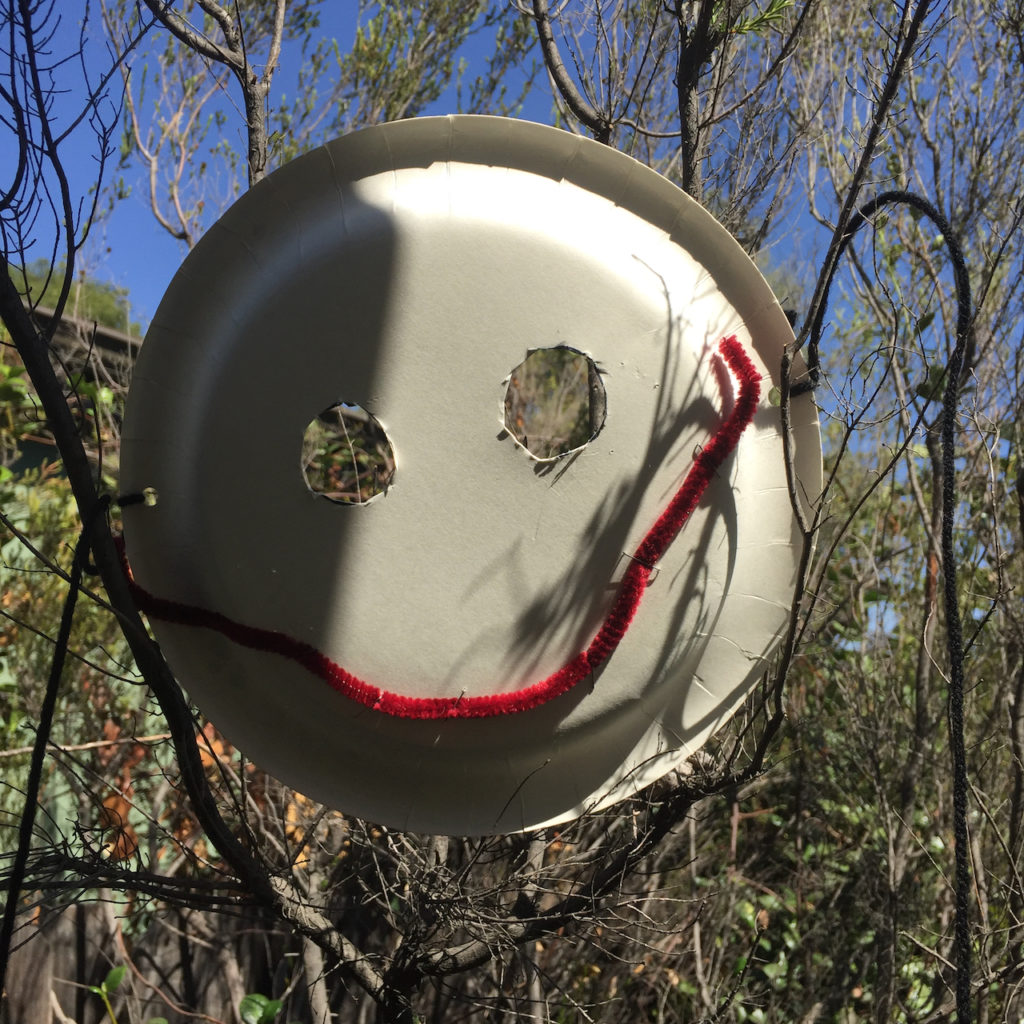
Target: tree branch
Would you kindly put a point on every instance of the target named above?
(696, 48)
(816, 308)
(275, 46)
(275, 894)
(227, 24)
(187, 36)
(311, 923)
(581, 108)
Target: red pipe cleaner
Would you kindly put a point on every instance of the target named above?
(657, 540)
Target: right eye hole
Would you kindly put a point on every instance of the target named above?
(555, 402)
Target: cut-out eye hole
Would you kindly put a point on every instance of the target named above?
(555, 402)
(346, 455)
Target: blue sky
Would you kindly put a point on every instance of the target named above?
(126, 246)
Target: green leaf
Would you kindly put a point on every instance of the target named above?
(257, 1009)
(114, 978)
(933, 385)
(767, 18)
(250, 1009)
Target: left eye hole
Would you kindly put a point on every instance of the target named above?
(555, 402)
(347, 456)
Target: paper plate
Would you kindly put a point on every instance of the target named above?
(408, 268)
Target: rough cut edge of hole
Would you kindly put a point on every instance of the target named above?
(357, 436)
(596, 405)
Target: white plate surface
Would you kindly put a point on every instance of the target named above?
(409, 268)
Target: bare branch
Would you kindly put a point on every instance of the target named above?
(188, 36)
(580, 107)
(274, 54)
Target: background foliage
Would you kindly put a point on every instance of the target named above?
(800, 868)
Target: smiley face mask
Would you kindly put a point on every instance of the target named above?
(498, 639)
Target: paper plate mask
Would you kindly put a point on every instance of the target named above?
(494, 643)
